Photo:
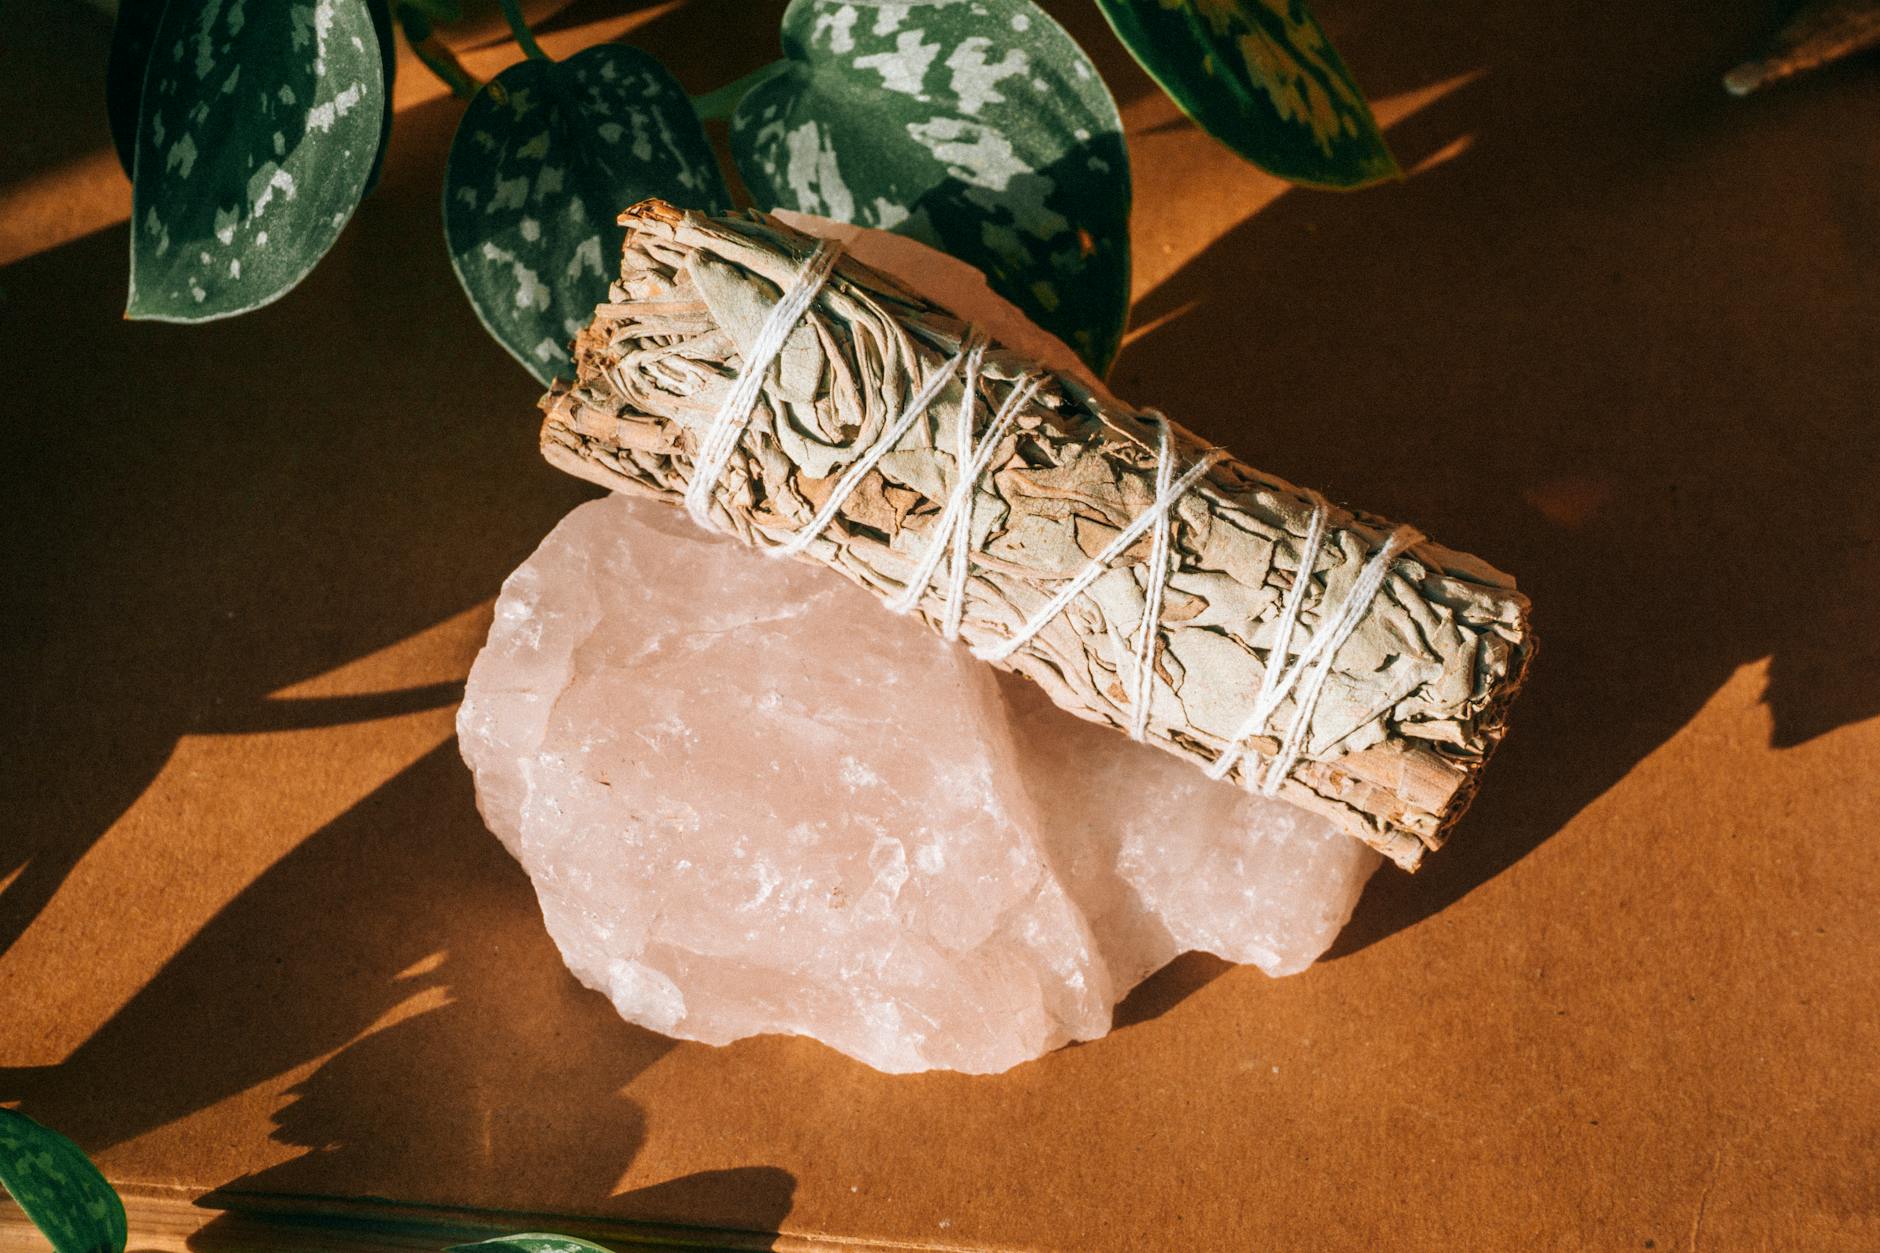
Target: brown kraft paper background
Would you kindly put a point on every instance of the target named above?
(1616, 333)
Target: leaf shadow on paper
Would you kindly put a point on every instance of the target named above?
(396, 956)
(1662, 423)
(1672, 468)
(52, 46)
(183, 594)
(243, 507)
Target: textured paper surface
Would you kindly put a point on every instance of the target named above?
(1417, 697)
(265, 941)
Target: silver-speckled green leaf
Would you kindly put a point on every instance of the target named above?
(976, 126)
(59, 1188)
(259, 125)
(1261, 77)
(132, 36)
(546, 157)
(382, 26)
(529, 1242)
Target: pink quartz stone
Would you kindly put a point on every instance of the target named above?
(753, 800)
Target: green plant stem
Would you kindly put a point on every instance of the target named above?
(716, 105)
(525, 38)
(442, 62)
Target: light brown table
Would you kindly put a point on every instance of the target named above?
(1617, 333)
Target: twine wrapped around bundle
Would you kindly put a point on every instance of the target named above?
(1145, 577)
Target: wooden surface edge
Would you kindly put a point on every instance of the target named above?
(181, 1220)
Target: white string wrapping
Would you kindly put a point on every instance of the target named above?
(961, 501)
(972, 349)
(951, 531)
(1151, 626)
(1351, 613)
(727, 425)
(953, 528)
(1279, 677)
(1318, 655)
(1095, 568)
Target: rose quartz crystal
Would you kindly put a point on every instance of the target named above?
(753, 800)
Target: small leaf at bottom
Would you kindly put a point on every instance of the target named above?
(529, 1242)
(59, 1188)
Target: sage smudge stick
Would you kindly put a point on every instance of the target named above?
(1417, 694)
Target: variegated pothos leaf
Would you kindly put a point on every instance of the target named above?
(976, 126)
(132, 36)
(131, 39)
(529, 1242)
(382, 25)
(259, 124)
(1261, 77)
(546, 157)
(59, 1188)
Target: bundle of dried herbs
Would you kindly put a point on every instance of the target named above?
(1416, 697)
